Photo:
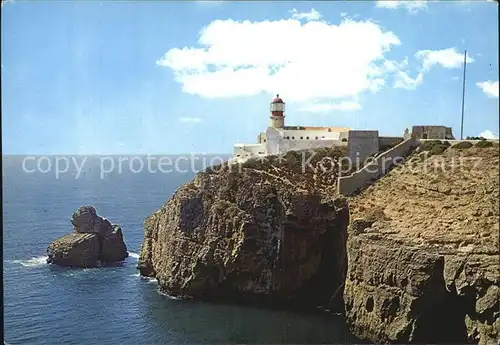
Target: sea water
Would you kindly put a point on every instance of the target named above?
(45, 304)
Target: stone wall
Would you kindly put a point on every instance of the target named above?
(432, 132)
(245, 151)
(297, 145)
(361, 145)
(372, 171)
(388, 142)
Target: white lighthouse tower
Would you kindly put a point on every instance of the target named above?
(277, 108)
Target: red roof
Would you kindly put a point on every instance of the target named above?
(277, 99)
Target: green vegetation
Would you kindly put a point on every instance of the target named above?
(462, 145)
(434, 147)
(437, 149)
(428, 145)
(483, 143)
(254, 163)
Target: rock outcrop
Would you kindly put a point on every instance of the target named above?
(260, 232)
(95, 241)
(419, 262)
(423, 252)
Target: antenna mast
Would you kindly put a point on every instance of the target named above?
(463, 98)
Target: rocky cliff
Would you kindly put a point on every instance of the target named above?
(94, 241)
(423, 251)
(261, 232)
(419, 262)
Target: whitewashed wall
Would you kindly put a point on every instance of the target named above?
(295, 145)
(244, 151)
(321, 135)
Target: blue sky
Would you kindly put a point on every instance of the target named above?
(177, 77)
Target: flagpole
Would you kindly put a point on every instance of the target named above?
(463, 98)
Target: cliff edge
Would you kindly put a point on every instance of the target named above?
(423, 251)
(414, 259)
(264, 231)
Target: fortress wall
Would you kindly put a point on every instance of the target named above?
(249, 150)
(388, 141)
(296, 145)
(361, 145)
(372, 171)
(311, 134)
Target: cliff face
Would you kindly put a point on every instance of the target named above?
(265, 232)
(423, 252)
(421, 244)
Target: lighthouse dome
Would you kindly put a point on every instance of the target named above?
(277, 99)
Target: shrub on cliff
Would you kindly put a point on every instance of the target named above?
(484, 143)
(462, 145)
(254, 163)
(437, 149)
(428, 145)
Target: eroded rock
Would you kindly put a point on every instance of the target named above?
(432, 275)
(75, 250)
(95, 241)
(266, 233)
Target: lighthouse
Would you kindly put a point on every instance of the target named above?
(277, 108)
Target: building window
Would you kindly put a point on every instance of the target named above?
(307, 138)
(301, 137)
(264, 140)
(323, 137)
(316, 138)
(293, 138)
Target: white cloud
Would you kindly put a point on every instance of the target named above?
(244, 58)
(487, 134)
(413, 6)
(190, 119)
(326, 107)
(404, 81)
(447, 58)
(311, 15)
(489, 87)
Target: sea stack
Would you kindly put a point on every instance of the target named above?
(94, 241)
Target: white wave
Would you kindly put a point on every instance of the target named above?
(149, 279)
(133, 255)
(136, 275)
(33, 262)
(168, 296)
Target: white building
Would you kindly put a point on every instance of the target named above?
(279, 138)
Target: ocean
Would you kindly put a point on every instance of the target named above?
(45, 304)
